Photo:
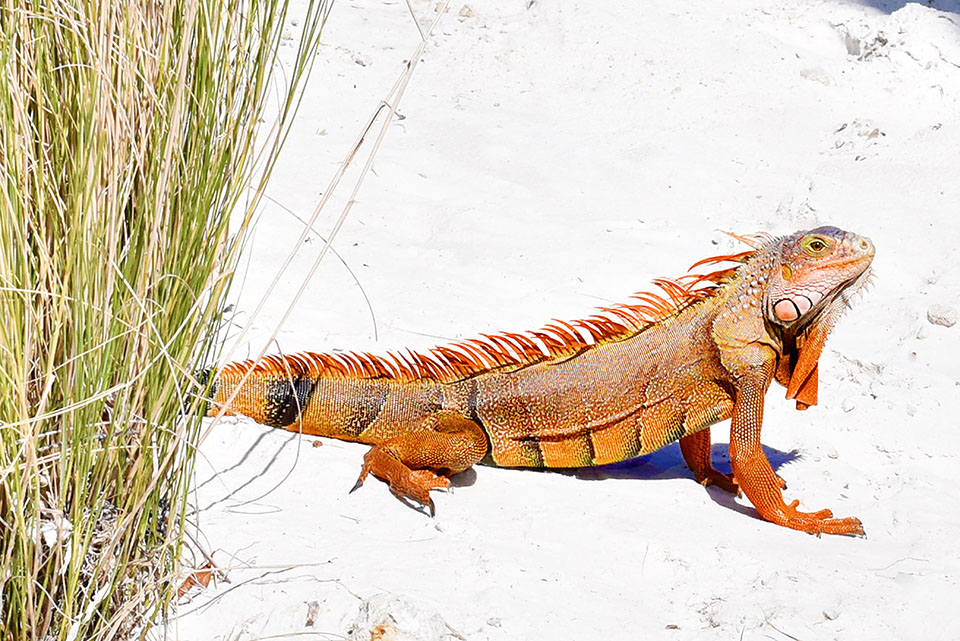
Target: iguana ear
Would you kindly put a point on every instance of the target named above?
(804, 375)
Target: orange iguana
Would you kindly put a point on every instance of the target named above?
(617, 385)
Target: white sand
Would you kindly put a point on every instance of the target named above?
(558, 157)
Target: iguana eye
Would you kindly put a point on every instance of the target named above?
(815, 245)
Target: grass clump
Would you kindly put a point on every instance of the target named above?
(128, 139)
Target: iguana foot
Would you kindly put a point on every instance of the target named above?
(818, 523)
(405, 483)
(418, 458)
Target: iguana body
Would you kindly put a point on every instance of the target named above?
(655, 372)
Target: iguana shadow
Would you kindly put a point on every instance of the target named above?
(668, 463)
(665, 463)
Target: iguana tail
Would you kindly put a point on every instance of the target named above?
(304, 393)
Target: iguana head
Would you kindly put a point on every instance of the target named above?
(818, 268)
(811, 283)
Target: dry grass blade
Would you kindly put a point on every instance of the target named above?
(129, 139)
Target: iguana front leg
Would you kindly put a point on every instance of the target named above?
(752, 470)
(418, 460)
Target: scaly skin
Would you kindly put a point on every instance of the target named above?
(663, 370)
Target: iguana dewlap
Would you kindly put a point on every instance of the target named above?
(617, 385)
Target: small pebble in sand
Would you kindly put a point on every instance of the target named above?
(942, 315)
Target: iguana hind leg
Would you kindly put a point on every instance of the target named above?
(696, 450)
(419, 460)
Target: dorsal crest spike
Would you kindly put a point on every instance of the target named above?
(735, 258)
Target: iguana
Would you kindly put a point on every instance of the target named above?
(620, 384)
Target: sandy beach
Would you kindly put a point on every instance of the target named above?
(551, 157)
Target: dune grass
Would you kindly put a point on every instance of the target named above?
(130, 135)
